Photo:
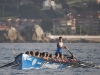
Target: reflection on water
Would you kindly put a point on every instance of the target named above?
(85, 52)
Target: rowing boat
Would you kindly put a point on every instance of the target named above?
(31, 62)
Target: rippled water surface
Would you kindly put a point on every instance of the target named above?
(86, 52)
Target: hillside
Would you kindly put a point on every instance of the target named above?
(34, 9)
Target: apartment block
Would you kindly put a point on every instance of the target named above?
(64, 24)
(92, 25)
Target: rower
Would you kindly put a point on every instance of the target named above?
(51, 57)
(32, 53)
(44, 55)
(57, 57)
(63, 58)
(27, 52)
(60, 46)
(37, 54)
(47, 55)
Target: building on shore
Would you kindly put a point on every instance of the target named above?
(90, 21)
(47, 4)
(64, 26)
(92, 25)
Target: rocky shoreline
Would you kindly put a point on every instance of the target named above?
(36, 34)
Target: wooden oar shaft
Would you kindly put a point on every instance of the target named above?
(71, 53)
(6, 65)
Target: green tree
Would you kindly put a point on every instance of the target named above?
(63, 32)
(84, 31)
(96, 33)
(77, 29)
(58, 32)
(47, 24)
(8, 7)
(93, 6)
(51, 31)
(68, 31)
(61, 1)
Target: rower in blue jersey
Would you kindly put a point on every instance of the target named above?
(60, 46)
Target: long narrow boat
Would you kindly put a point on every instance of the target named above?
(31, 62)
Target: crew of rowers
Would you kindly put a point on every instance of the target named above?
(47, 56)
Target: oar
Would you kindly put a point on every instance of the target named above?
(11, 63)
(71, 53)
(7, 65)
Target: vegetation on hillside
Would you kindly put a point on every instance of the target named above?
(13, 8)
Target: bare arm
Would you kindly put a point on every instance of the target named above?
(66, 48)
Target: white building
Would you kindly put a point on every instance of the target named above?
(49, 3)
(53, 4)
(46, 4)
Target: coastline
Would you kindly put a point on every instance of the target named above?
(66, 39)
(77, 38)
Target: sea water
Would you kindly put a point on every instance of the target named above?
(86, 52)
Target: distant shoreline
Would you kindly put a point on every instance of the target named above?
(77, 38)
(66, 39)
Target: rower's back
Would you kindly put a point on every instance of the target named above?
(37, 54)
(32, 53)
(27, 52)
